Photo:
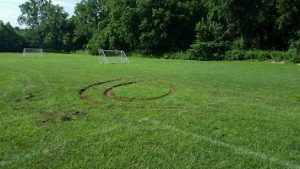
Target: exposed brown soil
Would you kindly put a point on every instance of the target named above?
(28, 96)
(43, 121)
(76, 115)
(278, 62)
(66, 117)
(109, 93)
(81, 91)
(86, 98)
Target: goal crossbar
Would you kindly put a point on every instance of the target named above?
(33, 52)
(113, 57)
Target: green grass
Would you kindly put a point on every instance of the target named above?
(219, 114)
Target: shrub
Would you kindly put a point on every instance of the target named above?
(295, 45)
(209, 44)
(250, 55)
(177, 55)
(295, 51)
(262, 55)
(294, 55)
(280, 56)
(235, 55)
(208, 51)
(84, 52)
(296, 58)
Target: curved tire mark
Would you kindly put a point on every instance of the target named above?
(109, 93)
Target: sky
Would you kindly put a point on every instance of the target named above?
(10, 11)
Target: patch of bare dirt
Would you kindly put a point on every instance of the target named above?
(108, 92)
(279, 62)
(28, 96)
(72, 115)
(86, 98)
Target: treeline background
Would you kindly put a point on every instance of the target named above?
(187, 29)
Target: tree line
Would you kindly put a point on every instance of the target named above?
(206, 29)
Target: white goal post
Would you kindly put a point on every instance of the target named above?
(113, 57)
(35, 52)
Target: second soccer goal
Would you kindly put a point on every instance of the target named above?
(33, 52)
(113, 57)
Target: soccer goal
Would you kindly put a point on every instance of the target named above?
(113, 57)
(33, 52)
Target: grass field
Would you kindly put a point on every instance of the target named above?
(69, 111)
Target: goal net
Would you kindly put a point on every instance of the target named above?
(33, 52)
(113, 57)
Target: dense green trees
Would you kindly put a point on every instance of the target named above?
(10, 41)
(47, 25)
(33, 12)
(150, 26)
(208, 29)
(90, 17)
(157, 27)
(250, 24)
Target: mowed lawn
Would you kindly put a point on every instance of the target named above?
(69, 111)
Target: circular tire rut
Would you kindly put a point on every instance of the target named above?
(108, 93)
